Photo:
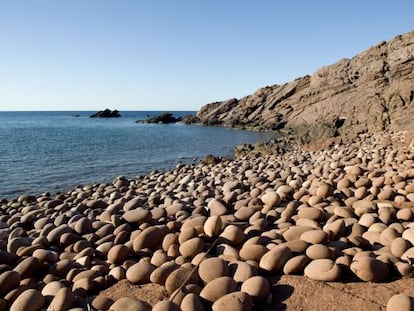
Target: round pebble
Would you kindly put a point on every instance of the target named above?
(212, 268)
(323, 270)
(257, 287)
(370, 269)
(30, 299)
(212, 226)
(275, 259)
(140, 272)
(217, 288)
(235, 301)
(130, 304)
(400, 302)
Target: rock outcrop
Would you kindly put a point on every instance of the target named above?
(372, 91)
(107, 113)
(163, 118)
(167, 117)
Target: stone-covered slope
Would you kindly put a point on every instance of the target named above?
(372, 91)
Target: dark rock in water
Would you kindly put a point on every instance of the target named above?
(163, 118)
(189, 119)
(167, 117)
(76, 115)
(106, 114)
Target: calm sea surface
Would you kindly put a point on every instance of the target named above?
(55, 151)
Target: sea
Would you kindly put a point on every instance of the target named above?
(55, 151)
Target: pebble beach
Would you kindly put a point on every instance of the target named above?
(218, 236)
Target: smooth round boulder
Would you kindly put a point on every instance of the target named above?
(399, 246)
(30, 299)
(191, 247)
(27, 267)
(218, 288)
(137, 216)
(62, 300)
(187, 234)
(232, 235)
(271, 198)
(400, 302)
(160, 274)
(54, 235)
(212, 268)
(408, 234)
(295, 232)
(275, 259)
(335, 228)
(149, 238)
(388, 235)
(370, 269)
(252, 252)
(130, 304)
(408, 255)
(314, 236)
(405, 214)
(323, 270)
(296, 264)
(244, 213)
(118, 253)
(296, 246)
(140, 272)
(101, 302)
(168, 240)
(324, 190)
(212, 226)
(46, 256)
(52, 288)
(310, 213)
(178, 276)
(216, 208)
(257, 287)
(8, 281)
(363, 206)
(242, 271)
(319, 251)
(235, 301)
(191, 302)
(82, 226)
(166, 305)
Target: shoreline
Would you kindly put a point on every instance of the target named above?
(67, 151)
(339, 214)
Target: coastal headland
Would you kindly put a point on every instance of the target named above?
(322, 226)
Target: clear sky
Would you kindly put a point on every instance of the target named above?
(176, 55)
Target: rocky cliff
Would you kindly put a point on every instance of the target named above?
(373, 91)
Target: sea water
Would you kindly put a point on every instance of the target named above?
(55, 151)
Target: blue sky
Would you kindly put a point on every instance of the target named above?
(176, 55)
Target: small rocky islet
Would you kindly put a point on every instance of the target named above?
(107, 113)
(212, 236)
